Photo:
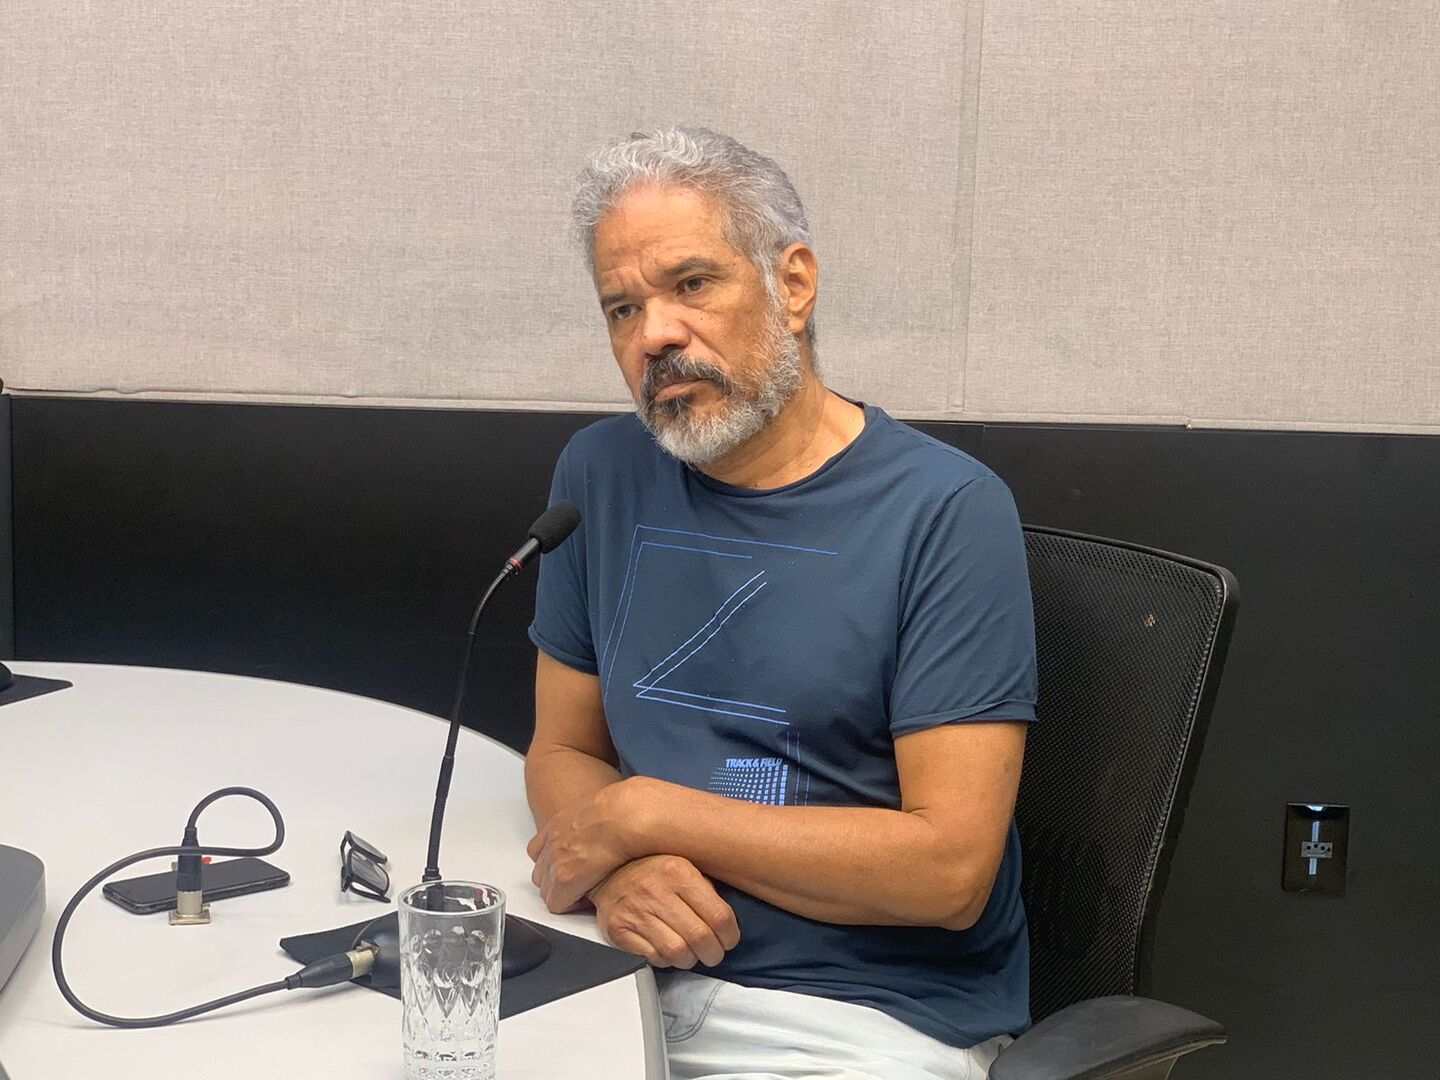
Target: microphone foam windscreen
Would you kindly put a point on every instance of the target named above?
(554, 525)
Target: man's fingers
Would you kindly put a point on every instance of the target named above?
(631, 942)
(562, 894)
(668, 934)
(718, 916)
(669, 905)
(699, 939)
(704, 944)
(676, 910)
(667, 948)
(536, 845)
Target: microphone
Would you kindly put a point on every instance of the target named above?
(549, 531)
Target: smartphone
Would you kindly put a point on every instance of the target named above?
(219, 881)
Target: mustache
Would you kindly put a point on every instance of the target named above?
(674, 366)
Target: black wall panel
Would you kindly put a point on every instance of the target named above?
(340, 547)
(1331, 694)
(345, 547)
(7, 546)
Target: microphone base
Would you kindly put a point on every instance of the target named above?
(524, 948)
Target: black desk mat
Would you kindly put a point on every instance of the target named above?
(574, 964)
(28, 686)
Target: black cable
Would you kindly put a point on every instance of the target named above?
(323, 972)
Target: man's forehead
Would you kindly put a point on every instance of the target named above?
(657, 205)
(662, 228)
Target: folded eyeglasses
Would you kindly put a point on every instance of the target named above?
(363, 868)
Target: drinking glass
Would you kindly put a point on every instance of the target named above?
(450, 939)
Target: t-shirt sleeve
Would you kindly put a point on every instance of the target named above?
(562, 610)
(966, 648)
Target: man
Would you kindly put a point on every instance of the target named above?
(786, 663)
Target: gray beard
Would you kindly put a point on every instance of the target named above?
(744, 412)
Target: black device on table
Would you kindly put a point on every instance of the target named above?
(219, 881)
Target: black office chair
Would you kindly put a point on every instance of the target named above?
(1129, 645)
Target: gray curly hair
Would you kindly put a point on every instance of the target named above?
(763, 215)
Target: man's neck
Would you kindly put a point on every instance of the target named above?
(814, 427)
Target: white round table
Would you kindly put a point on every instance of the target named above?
(114, 764)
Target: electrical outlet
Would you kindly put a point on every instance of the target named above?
(1316, 838)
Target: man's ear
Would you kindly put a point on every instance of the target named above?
(798, 275)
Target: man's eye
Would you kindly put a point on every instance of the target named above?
(621, 311)
(692, 285)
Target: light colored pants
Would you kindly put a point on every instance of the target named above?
(722, 1031)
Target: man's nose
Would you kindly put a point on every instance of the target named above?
(662, 329)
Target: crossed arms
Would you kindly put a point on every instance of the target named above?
(645, 851)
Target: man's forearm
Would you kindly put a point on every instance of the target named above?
(835, 864)
(561, 777)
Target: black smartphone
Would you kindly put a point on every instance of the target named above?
(219, 881)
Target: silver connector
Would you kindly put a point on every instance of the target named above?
(190, 909)
(362, 961)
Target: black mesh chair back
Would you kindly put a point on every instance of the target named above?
(1129, 645)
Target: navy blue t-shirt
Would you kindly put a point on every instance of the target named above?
(772, 645)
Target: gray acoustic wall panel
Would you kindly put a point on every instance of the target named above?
(1217, 211)
(369, 201)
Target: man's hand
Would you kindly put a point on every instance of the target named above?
(663, 909)
(579, 847)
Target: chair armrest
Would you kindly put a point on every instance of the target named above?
(1106, 1037)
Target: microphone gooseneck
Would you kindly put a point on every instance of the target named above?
(447, 763)
(549, 531)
